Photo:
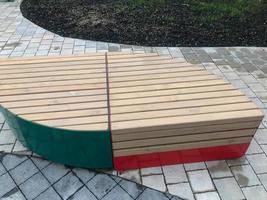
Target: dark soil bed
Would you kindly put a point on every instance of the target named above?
(154, 22)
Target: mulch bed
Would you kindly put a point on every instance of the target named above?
(172, 23)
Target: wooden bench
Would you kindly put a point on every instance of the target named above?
(124, 110)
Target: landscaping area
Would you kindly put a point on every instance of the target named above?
(154, 22)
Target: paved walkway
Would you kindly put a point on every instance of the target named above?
(245, 68)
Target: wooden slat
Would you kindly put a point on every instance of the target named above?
(182, 139)
(174, 91)
(87, 127)
(169, 104)
(56, 101)
(75, 121)
(129, 136)
(166, 86)
(164, 81)
(182, 111)
(62, 107)
(183, 121)
(52, 89)
(183, 146)
(158, 76)
(100, 71)
(54, 59)
(54, 83)
(93, 64)
(52, 95)
(93, 78)
(65, 114)
(153, 71)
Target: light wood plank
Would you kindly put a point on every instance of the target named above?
(163, 81)
(158, 76)
(166, 86)
(129, 136)
(183, 146)
(56, 101)
(182, 111)
(190, 120)
(182, 139)
(51, 95)
(74, 121)
(53, 89)
(174, 91)
(62, 107)
(66, 114)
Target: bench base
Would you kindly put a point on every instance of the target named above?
(179, 157)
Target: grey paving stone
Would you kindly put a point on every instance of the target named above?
(50, 194)
(258, 162)
(255, 192)
(68, 185)
(182, 190)
(208, 196)
(40, 163)
(117, 193)
(263, 180)
(150, 194)
(132, 188)
(254, 148)
(133, 175)
(23, 171)
(11, 161)
(194, 166)
(101, 184)
(14, 194)
(245, 175)
(154, 181)
(54, 172)
(151, 171)
(7, 137)
(83, 194)
(6, 184)
(228, 189)
(2, 169)
(219, 169)
(84, 174)
(261, 136)
(174, 174)
(196, 180)
(34, 186)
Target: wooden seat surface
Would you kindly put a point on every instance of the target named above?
(151, 103)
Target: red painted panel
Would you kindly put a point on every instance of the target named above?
(182, 156)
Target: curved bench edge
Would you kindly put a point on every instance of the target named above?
(89, 149)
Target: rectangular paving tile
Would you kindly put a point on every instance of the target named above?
(258, 162)
(23, 171)
(34, 186)
(255, 192)
(182, 190)
(101, 184)
(174, 174)
(228, 189)
(68, 185)
(133, 189)
(154, 181)
(196, 179)
(208, 196)
(6, 184)
(245, 175)
(219, 169)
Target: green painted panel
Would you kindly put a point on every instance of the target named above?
(90, 149)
